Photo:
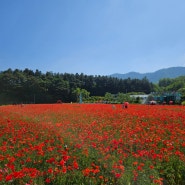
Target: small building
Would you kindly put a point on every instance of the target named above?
(143, 97)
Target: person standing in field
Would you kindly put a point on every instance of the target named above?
(125, 105)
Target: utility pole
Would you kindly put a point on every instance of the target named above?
(34, 98)
(80, 97)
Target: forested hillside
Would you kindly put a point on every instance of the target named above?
(27, 86)
(176, 84)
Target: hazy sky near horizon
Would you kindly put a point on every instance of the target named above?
(94, 37)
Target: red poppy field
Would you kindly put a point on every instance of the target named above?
(92, 144)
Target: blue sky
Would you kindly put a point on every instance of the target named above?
(94, 37)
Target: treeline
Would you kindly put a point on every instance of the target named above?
(172, 85)
(28, 86)
(175, 84)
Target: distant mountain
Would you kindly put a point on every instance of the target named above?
(154, 77)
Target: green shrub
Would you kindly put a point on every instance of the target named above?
(183, 103)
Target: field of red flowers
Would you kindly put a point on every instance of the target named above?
(92, 144)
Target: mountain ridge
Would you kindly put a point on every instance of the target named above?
(171, 72)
